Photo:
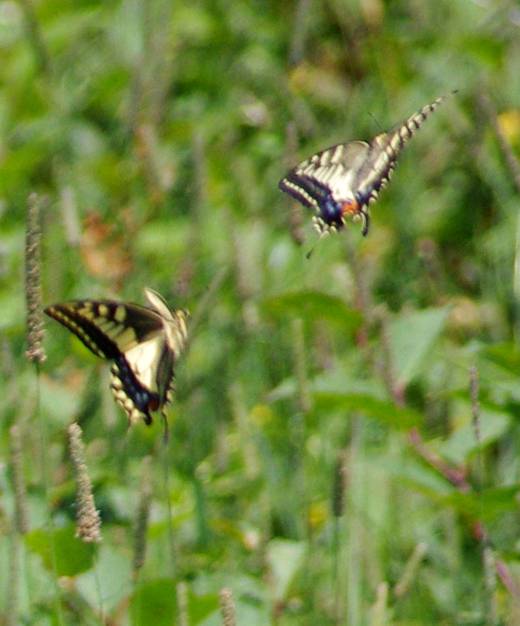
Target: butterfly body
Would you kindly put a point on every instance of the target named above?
(143, 343)
(344, 180)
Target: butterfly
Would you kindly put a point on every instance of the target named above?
(343, 180)
(143, 344)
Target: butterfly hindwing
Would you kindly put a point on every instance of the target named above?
(142, 342)
(136, 399)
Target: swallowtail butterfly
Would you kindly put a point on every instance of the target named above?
(343, 180)
(144, 344)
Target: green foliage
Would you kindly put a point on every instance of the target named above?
(412, 339)
(313, 306)
(154, 602)
(323, 430)
(284, 558)
(60, 551)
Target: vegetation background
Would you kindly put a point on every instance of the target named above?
(344, 440)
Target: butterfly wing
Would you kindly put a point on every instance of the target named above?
(143, 377)
(134, 338)
(107, 328)
(174, 322)
(383, 152)
(326, 180)
(152, 363)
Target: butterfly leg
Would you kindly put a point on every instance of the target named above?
(366, 223)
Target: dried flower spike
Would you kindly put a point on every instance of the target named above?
(33, 296)
(227, 607)
(88, 522)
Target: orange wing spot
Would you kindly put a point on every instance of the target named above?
(350, 207)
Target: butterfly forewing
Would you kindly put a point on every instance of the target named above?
(104, 326)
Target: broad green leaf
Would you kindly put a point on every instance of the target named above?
(312, 305)
(154, 602)
(462, 443)
(382, 410)
(499, 500)
(202, 606)
(412, 337)
(111, 577)
(486, 505)
(413, 472)
(506, 355)
(61, 551)
(285, 559)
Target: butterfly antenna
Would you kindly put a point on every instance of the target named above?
(374, 118)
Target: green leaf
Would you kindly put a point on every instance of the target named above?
(412, 337)
(486, 505)
(382, 410)
(312, 305)
(111, 577)
(202, 606)
(499, 500)
(61, 551)
(154, 602)
(285, 559)
(462, 443)
(505, 355)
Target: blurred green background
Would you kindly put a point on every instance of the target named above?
(322, 462)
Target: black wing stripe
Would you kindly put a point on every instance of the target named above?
(307, 190)
(85, 330)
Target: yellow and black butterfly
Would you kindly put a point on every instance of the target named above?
(144, 344)
(343, 180)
